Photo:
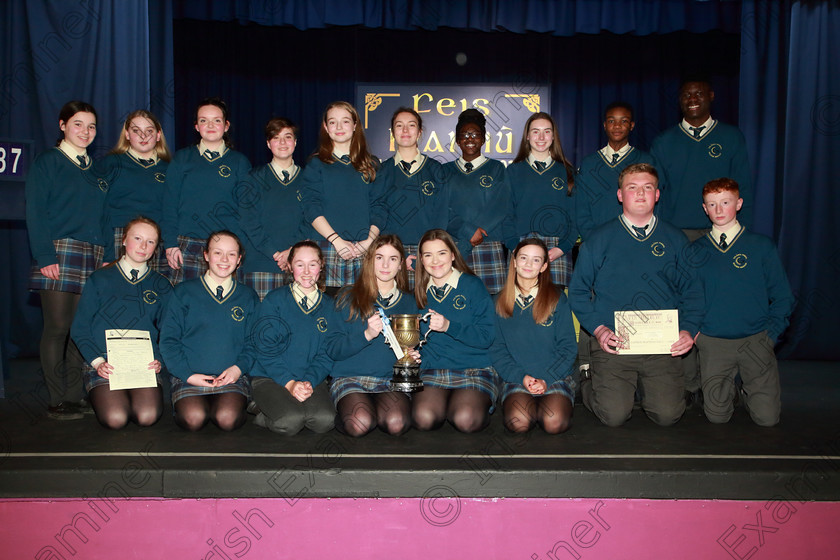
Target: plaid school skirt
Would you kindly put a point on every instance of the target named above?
(92, 379)
(194, 265)
(76, 262)
(181, 389)
(565, 387)
(488, 262)
(339, 272)
(561, 268)
(412, 250)
(158, 261)
(264, 282)
(343, 386)
(485, 380)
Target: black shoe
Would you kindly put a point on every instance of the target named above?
(694, 399)
(64, 411)
(84, 407)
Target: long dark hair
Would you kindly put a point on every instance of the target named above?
(362, 295)
(556, 149)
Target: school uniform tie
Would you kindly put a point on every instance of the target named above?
(210, 154)
(82, 160)
(219, 292)
(526, 300)
(468, 166)
(640, 231)
(286, 176)
(696, 130)
(407, 165)
(304, 303)
(439, 291)
(345, 158)
(539, 165)
(385, 300)
(615, 158)
(134, 273)
(149, 161)
(723, 244)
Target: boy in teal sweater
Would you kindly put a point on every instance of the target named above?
(748, 305)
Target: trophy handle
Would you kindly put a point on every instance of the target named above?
(428, 332)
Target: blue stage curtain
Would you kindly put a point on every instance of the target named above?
(806, 81)
(95, 50)
(555, 17)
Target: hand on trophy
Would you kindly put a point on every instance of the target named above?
(415, 355)
(374, 327)
(438, 322)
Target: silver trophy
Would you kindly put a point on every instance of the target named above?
(402, 333)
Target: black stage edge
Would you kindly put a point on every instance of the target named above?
(797, 460)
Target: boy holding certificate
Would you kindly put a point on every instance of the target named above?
(631, 274)
(749, 306)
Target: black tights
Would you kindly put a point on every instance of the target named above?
(226, 410)
(523, 411)
(360, 413)
(60, 359)
(114, 409)
(466, 409)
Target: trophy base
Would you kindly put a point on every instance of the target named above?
(406, 379)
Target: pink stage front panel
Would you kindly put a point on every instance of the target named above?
(438, 526)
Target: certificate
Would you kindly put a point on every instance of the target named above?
(130, 353)
(647, 331)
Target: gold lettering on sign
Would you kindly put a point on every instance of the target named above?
(417, 98)
(374, 100)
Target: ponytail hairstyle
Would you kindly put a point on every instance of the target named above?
(421, 277)
(547, 296)
(321, 283)
(556, 149)
(226, 233)
(216, 102)
(71, 108)
(362, 295)
(161, 147)
(360, 157)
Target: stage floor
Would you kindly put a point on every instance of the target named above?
(799, 460)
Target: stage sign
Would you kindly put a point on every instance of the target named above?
(506, 108)
(15, 157)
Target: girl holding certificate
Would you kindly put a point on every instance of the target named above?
(363, 363)
(127, 295)
(203, 340)
(459, 380)
(535, 349)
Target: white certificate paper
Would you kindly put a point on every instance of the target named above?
(647, 331)
(130, 353)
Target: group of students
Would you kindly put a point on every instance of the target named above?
(249, 327)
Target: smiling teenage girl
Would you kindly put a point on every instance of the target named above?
(64, 204)
(203, 340)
